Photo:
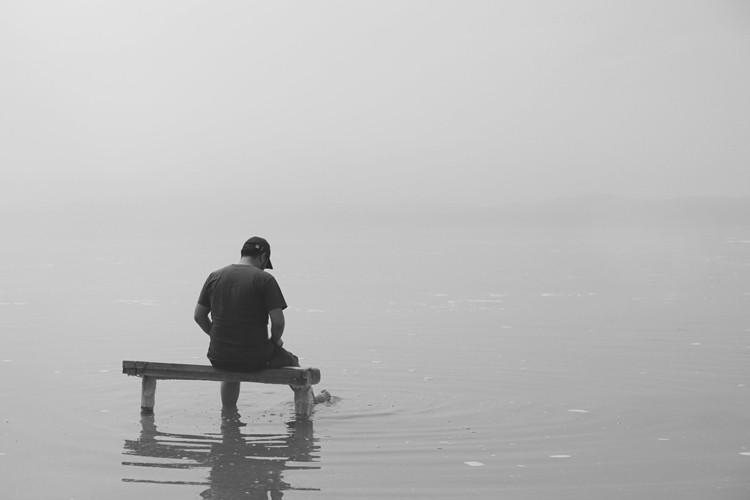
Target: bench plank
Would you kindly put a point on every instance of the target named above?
(287, 376)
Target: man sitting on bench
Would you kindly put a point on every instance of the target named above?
(240, 299)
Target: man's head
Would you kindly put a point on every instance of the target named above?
(258, 249)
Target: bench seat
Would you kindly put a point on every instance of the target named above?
(300, 379)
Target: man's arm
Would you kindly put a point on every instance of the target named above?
(277, 325)
(201, 317)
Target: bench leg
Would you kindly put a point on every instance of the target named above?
(148, 395)
(304, 400)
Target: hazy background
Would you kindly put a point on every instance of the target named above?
(508, 232)
(395, 103)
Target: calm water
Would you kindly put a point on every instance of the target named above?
(558, 353)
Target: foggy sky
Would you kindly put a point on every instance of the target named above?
(373, 101)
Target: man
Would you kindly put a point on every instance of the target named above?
(240, 299)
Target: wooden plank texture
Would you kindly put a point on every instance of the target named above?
(175, 371)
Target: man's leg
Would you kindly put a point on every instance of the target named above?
(281, 358)
(230, 393)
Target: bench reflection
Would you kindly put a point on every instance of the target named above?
(240, 465)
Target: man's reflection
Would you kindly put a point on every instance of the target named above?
(242, 466)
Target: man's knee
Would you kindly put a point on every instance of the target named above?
(282, 358)
(290, 359)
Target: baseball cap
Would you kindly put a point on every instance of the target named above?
(256, 246)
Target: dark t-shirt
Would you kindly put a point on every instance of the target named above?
(239, 298)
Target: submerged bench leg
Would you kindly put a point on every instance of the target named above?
(148, 395)
(304, 400)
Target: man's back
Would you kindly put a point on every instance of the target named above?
(239, 297)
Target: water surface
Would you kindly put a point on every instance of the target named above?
(522, 354)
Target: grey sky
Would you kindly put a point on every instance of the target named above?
(392, 101)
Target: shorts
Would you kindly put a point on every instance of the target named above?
(279, 358)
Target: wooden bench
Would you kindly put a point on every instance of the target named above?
(300, 379)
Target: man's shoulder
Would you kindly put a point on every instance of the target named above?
(264, 276)
(218, 272)
(243, 270)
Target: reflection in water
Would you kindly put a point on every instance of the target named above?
(242, 466)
